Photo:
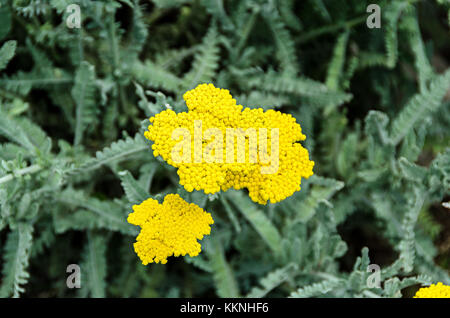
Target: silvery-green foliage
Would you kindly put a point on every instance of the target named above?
(373, 103)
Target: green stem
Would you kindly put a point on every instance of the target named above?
(330, 29)
(21, 172)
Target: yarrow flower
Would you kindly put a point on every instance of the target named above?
(438, 290)
(170, 228)
(267, 158)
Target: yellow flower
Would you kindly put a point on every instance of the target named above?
(232, 146)
(170, 228)
(438, 290)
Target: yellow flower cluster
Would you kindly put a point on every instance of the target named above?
(170, 228)
(273, 174)
(438, 290)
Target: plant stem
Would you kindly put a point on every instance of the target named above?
(330, 29)
(21, 172)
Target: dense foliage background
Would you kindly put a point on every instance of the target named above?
(374, 104)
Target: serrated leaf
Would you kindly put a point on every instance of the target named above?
(258, 220)
(224, 279)
(117, 151)
(94, 266)
(317, 289)
(83, 94)
(16, 259)
(6, 53)
(298, 86)
(419, 106)
(25, 133)
(334, 74)
(271, 281)
(92, 214)
(206, 61)
(133, 189)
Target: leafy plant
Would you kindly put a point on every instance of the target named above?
(373, 103)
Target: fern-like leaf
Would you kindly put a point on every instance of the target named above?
(117, 151)
(83, 94)
(271, 281)
(155, 76)
(317, 289)
(407, 245)
(216, 9)
(420, 106)
(258, 220)
(15, 260)
(298, 86)
(93, 267)
(133, 189)
(285, 47)
(423, 66)
(25, 133)
(206, 61)
(336, 66)
(6, 53)
(393, 12)
(92, 214)
(224, 279)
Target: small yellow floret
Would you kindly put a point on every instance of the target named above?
(438, 290)
(170, 228)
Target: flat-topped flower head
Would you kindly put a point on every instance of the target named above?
(170, 228)
(218, 145)
(438, 290)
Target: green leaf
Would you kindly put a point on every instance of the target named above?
(334, 74)
(25, 133)
(348, 155)
(392, 15)
(93, 266)
(231, 215)
(216, 9)
(420, 279)
(9, 151)
(6, 53)
(297, 86)
(407, 246)
(321, 190)
(133, 189)
(199, 262)
(257, 219)
(420, 106)
(83, 93)
(15, 260)
(271, 281)
(155, 76)
(317, 289)
(169, 3)
(415, 39)
(117, 151)
(285, 46)
(6, 18)
(289, 15)
(92, 214)
(206, 61)
(412, 171)
(224, 279)
(256, 99)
